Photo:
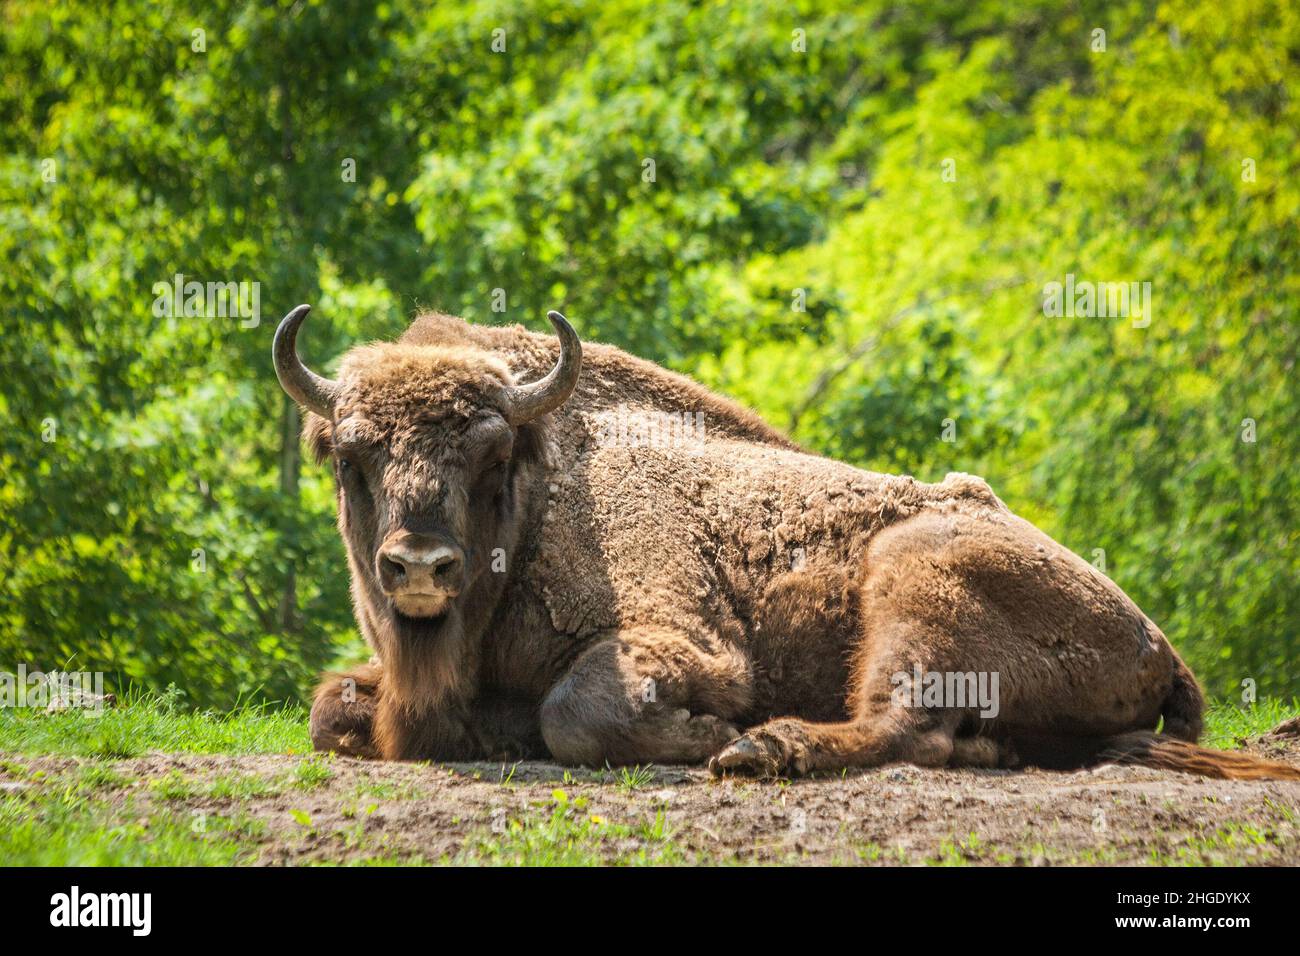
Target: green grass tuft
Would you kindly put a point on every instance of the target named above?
(312, 773)
(634, 778)
(1227, 722)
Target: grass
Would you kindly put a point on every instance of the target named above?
(571, 836)
(388, 790)
(70, 827)
(153, 722)
(1228, 845)
(312, 773)
(94, 814)
(89, 807)
(242, 786)
(175, 786)
(308, 773)
(149, 722)
(634, 778)
(1227, 722)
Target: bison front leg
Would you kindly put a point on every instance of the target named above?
(646, 695)
(343, 712)
(489, 727)
(351, 715)
(443, 733)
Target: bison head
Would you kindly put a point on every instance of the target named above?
(435, 452)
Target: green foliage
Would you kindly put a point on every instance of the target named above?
(676, 176)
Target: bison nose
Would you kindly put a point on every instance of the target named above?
(414, 568)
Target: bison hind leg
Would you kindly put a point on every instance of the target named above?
(343, 712)
(976, 752)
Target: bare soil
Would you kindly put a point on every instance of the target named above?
(351, 811)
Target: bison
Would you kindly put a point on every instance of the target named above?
(534, 577)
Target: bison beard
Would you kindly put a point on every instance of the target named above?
(722, 596)
(426, 657)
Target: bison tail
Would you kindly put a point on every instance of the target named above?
(1147, 749)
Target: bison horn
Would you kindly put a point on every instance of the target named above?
(527, 402)
(304, 386)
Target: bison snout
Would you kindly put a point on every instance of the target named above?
(410, 569)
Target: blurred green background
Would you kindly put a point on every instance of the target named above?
(847, 220)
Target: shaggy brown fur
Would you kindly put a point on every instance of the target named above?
(723, 597)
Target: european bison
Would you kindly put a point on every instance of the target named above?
(537, 571)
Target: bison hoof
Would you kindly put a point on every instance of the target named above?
(757, 753)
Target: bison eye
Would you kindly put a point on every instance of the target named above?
(351, 476)
(492, 479)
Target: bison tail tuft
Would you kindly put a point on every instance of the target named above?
(1147, 749)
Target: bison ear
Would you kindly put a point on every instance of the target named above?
(318, 435)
